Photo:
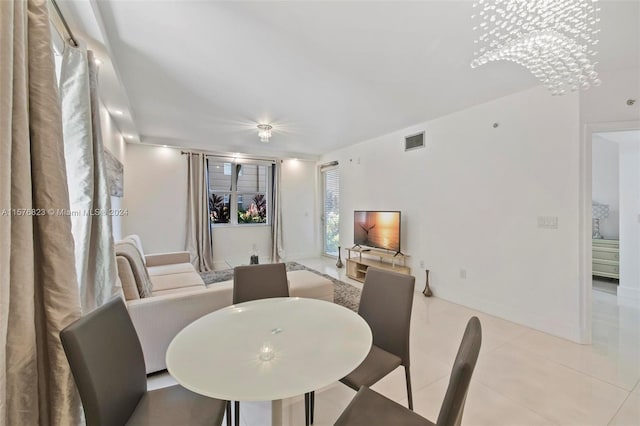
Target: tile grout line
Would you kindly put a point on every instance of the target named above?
(572, 368)
(591, 376)
(561, 365)
(428, 384)
(584, 373)
(619, 408)
(518, 403)
(505, 343)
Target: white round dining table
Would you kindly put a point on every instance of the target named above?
(269, 349)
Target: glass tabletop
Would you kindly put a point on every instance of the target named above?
(269, 349)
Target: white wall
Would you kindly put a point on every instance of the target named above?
(470, 200)
(113, 141)
(155, 184)
(604, 188)
(299, 209)
(234, 245)
(629, 289)
(607, 102)
(155, 195)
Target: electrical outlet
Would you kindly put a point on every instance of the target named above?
(422, 264)
(463, 274)
(548, 222)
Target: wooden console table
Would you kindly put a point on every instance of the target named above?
(357, 265)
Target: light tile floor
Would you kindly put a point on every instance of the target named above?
(523, 376)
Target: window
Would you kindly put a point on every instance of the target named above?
(220, 191)
(238, 192)
(331, 209)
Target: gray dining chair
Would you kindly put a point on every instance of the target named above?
(253, 282)
(386, 303)
(369, 408)
(107, 364)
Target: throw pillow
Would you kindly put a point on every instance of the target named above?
(129, 251)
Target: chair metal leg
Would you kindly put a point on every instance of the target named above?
(407, 377)
(228, 413)
(236, 415)
(307, 399)
(312, 403)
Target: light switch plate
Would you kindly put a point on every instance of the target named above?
(548, 222)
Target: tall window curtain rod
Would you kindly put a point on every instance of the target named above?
(228, 157)
(65, 27)
(328, 165)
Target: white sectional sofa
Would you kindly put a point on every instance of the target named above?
(179, 296)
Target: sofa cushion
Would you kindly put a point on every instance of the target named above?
(180, 290)
(130, 252)
(176, 268)
(170, 258)
(311, 285)
(301, 284)
(159, 318)
(171, 281)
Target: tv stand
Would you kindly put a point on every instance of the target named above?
(357, 265)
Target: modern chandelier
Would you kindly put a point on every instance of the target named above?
(264, 132)
(554, 39)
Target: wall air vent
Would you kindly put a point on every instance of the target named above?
(414, 141)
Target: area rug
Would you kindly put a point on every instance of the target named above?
(343, 294)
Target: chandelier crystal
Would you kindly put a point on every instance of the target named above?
(554, 39)
(264, 132)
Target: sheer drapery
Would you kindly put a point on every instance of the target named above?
(38, 291)
(89, 194)
(199, 241)
(277, 249)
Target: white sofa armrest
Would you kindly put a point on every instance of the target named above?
(168, 258)
(158, 319)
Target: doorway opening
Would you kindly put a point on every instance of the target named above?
(615, 190)
(605, 211)
(609, 223)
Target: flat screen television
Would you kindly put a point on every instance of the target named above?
(379, 229)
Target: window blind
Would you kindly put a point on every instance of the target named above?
(331, 214)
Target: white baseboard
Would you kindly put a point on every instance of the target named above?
(536, 319)
(299, 256)
(218, 265)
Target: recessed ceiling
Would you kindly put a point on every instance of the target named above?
(325, 74)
